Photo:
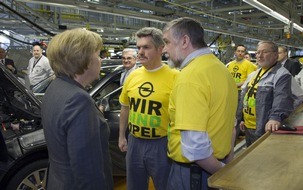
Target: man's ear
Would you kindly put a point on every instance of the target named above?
(185, 41)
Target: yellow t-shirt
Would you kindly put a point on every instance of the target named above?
(147, 93)
(249, 102)
(204, 98)
(241, 70)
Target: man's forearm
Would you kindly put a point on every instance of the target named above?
(240, 84)
(123, 121)
(230, 156)
(210, 164)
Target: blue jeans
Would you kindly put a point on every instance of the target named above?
(147, 158)
(250, 136)
(179, 178)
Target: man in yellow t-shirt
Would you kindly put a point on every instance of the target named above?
(202, 107)
(240, 68)
(144, 109)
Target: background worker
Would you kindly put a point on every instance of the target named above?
(38, 67)
(202, 107)
(266, 97)
(240, 68)
(129, 59)
(293, 66)
(247, 56)
(144, 110)
(9, 63)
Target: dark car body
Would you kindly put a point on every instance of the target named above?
(24, 157)
(107, 67)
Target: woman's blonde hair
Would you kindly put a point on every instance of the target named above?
(70, 52)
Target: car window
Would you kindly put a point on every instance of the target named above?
(109, 94)
(111, 86)
(42, 86)
(113, 99)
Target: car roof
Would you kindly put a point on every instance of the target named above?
(103, 81)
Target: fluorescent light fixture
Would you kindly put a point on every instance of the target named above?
(296, 26)
(258, 5)
(280, 17)
(272, 13)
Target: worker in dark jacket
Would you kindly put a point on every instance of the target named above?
(76, 132)
(9, 63)
(293, 66)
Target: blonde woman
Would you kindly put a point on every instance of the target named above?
(75, 130)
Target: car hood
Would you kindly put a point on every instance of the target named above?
(10, 80)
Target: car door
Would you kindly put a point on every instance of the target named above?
(106, 93)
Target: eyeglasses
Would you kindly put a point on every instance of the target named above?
(263, 52)
(127, 58)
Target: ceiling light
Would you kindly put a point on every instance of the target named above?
(272, 13)
(296, 26)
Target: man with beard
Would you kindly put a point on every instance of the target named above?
(266, 97)
(144, 106)
(38, 67)
(202, 107)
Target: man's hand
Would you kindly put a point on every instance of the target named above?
(10, 67)
(242, 126)
(123, 144)
(240, 84)
(272, 125)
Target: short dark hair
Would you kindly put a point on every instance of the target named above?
(37, 44)
(247, 54)
(240, 45)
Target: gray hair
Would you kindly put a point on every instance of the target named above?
(187, 26)
(273, 45)
(155, 33)
(126, 50)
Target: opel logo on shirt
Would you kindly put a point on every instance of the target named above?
(235, 69)
(146, 89)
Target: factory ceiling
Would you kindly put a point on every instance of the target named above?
(120, 19)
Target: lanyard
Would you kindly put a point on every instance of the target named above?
(35, 63)
(257, 79)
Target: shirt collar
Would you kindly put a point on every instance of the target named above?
(283, 62)
(194, 54)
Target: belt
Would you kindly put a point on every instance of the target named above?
(186, 165)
